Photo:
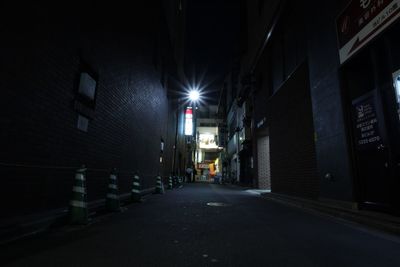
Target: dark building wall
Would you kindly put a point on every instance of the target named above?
(282, 106)
(257, 19)
(307, 35)
(169, 140)
(40, 66)
(331, 144)
(337, 91)
(292, 150)
(367, 79)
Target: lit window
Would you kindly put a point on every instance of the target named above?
(396, 84)
(398, 89)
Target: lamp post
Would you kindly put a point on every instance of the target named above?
(194, 97)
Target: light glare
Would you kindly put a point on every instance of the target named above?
(194, 95)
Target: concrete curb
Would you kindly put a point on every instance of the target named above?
(15, 229)
(380, 221)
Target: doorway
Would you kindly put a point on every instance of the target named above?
(373, 100)
(263, 163)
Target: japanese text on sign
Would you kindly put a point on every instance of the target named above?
(366, 123)
(361, 21)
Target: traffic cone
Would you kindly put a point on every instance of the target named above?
(112, 198)
(159, 185)
(78, 210)
(170, 182)
(135, 193)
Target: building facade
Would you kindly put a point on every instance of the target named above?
(84, 89)
(320, 91)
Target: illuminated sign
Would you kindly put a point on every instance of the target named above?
(207, 140)
(189, 121)
(203, 166)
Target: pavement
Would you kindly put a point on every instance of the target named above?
(347, 211)
(207, 225)
(24, 226)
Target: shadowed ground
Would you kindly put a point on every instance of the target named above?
(180, 229)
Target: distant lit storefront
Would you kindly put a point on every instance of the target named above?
(207, 149)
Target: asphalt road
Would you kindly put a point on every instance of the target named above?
(180, 229)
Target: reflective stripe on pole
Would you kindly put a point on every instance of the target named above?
(135, 192)
(78, 211)
(112, 198)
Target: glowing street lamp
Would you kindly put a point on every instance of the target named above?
(194, 95)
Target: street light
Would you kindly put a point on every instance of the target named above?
(194, 95)
(194, 98)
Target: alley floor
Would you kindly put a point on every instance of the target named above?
(207, 225)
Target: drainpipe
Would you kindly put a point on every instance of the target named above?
(268, 34)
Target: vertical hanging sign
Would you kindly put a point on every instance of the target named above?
(361, 21)
(189, 121)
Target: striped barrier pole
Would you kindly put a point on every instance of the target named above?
(135, 192)
(170, 182)
(112, 198)
(78, 210)
(159, 185)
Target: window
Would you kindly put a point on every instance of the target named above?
(83, 123)
(87, 86)
(85, 96)
(396, 84)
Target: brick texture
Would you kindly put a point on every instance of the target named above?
(293, 164)
(40, 66)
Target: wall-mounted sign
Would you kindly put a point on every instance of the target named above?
(207, 140)
(189, 121)
(361, 21)
(366, 125)
(203, 166)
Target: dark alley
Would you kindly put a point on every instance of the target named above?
(200, 133)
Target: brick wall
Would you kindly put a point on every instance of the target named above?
(293, 164)
(40, 66)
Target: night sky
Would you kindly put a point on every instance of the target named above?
(212, 40)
